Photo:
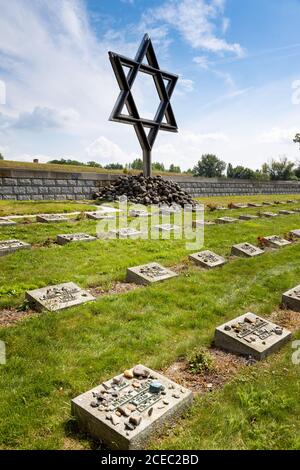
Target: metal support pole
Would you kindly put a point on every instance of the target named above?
(147, 163)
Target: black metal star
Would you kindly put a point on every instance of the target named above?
(125, 98)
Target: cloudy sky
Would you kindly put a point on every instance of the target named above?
(238, 95)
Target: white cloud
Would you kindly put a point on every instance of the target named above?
(278, 135)
(202, 61)
(184, 85)
(106, 151)
(197, 22)
(42, 118)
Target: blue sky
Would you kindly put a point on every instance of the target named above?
(238, 94)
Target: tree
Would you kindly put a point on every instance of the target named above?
(114, 166)
(94, 164)
(297, 139)
(281, 170)
(1, 156)
(64, 161)
(174, 169)
(137, 164)
(156, 166)
(240, 172)
(209, 166)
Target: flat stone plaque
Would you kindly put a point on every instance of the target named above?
(291, 299)
(275, 241)
(149, 274)
(269, 214)
(248, 217)
(250, 335)
(226, 220)
(51, 218)
(5, 222)
(167, 227)
(246, 249)
(266, 203)
(10, 246)
(287, 212)
(126, 411)
(138, 213)
(207, 259)
(99, 215)
(254, 204)
(170, 210)
(239, 206)
(125, 233)
(296, 209)
(295, 233)
(109, 210)
(58, 297)
(74, 237)
(201, 223)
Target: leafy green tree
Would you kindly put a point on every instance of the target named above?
(114, 166)
(137, 164)
(94, 164)
(281, 170)
(156, 166)
(209, 166)
(174, 169)
(240, 172)
(1, 156)
(64, 161)
(297, 139)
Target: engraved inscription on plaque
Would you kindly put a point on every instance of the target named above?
(208, 259)
(287, 212)
(99, 215)
(9, 246)
(248, 217)
(74, 237)
(226, 220)
(246, 249)
(167, 228)
(125, 233)
(269, 214)
(275, 241)
(51, 218)
(149, 274)
(251, 335)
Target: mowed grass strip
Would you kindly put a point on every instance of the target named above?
(55, 356)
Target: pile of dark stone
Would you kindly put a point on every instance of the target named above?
(146, 190)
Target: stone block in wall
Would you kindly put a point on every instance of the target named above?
(61, 182)
(80, 197)
(23, 198)
(19, 190)
(77, 190)
(61, 197)
(9, 197)
(24, 181)
(31, 190)
(10, 182)
(37, 197)
(67, 190)
(72, 182)
(55, 190)
(48, 182)
(43, 190)
(37, 182)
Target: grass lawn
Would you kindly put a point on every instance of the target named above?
(52, 357)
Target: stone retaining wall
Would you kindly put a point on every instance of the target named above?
(40, 185)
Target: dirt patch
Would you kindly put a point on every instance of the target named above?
(226, 366)
(287, 319)
(11, 316)
(117, 288)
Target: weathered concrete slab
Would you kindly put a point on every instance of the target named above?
(254, 204)
(287, 212)
(74, 237)
(208, 259)
(250, 335)
(138, 213)
(6, 222)
(201, 223)
(149, 274)
(58, 297)
(248, 217)
(246, 249)
(269, 214)
(51, 218)
(125, 232)
(226, 220)
(291, 299)
(99, 215)
(274, 241)
(167, 228)
(126, 411)
(10, 246)
(295, 233)
(238, 206)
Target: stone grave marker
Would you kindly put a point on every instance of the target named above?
(266, 203)
(274, 241)
(208, 259)
(246, 249)
(291, 299)
(254, 204)
(269, 214)
(226, 220)
(149, 274)
(74, 237)
(250, 335)
(248, 217)
(296, 209)
(287, 212)
(200, 223)
(125, 232)
(58, 297)
(138, 213)
(126, 411)
(6, 222)
(295, 233)
(290, 201)
(238, 206)
(99, 215)
(168, 210)
(51, 218)
(10, 246)
(167, 227)
(109, 210)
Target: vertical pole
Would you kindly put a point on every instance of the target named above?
(147, 163)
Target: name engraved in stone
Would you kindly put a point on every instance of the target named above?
(58, 297)
(226, 220)
(208, 259)
(275, 241)
(246, 249)
(74, 237)
(51, 218)
(9, 246)
(149, 273)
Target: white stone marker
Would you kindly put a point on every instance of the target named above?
(287, 212)
(5, 222)
(269, 214)
(51, 218)
(126, 411)
(138, 213)
(58, 297)
(291, 299)
(125, 232)
(248, 217)
(274, 241)
(295, 233)
(149, 274)
(246, 249)
(99, 215)
(74, 237)
(226, 220)
(250, 335)
(167, 227)
(10, 246)
(208, 259)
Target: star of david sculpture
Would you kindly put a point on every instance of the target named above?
(165, 83)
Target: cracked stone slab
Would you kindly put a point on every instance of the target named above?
(58, 297)
(10, 246)
(51, 218)
(74, 237)
(6, 222)
(248, 217)
(251, 335)
(99, 215)
(129, 409)
(291, 299)
(149, 274)
(226, 220)
(247, 250)
(274, 241)
(208, 259)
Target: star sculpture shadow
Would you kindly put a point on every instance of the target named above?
(125, 98)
